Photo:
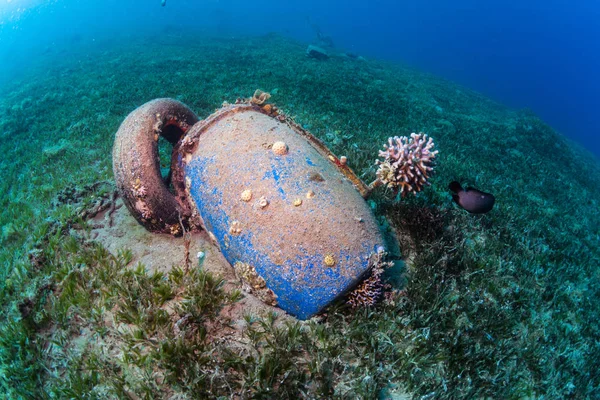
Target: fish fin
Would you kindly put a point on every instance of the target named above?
(455, 187)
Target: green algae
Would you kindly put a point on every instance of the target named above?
(503, 305)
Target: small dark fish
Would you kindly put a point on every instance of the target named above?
(472, 200)
(163, 3)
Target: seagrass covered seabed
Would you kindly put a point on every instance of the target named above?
(503, 305)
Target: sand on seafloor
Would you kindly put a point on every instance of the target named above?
(161, 252)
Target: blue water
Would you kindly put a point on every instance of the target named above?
(540, 55)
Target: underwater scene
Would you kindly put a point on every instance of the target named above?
(235, 200)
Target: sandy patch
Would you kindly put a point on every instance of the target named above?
(162, 252)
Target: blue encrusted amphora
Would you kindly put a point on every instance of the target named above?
(285, 212)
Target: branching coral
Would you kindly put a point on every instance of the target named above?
(370, 290)
(407, 163)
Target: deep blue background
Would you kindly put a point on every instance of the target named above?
(539, 54)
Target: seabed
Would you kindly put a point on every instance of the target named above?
(502, 305)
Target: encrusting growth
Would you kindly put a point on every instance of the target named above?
(259, 97)
(407, 163)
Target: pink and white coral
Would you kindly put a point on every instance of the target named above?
(407, 163)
